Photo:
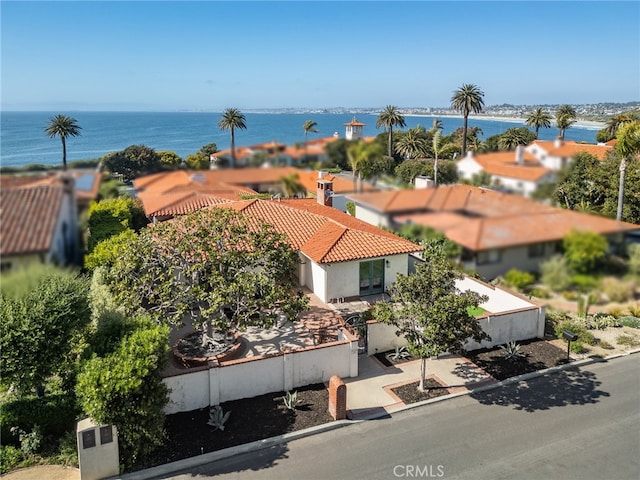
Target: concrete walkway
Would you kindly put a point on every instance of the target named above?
(370, 392)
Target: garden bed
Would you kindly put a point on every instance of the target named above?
(409, 392)
(387, 358)
(257, 418)
(535, 355)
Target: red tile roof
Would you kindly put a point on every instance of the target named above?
(482, 219)
(324, 234)
(503, 164)
(28, 218)
(571, 148)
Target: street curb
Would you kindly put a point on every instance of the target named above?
(196, 461)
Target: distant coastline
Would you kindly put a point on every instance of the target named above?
(590, 124)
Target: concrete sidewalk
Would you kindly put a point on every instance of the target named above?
(370, 392)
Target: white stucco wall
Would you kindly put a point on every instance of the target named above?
(201, 388)
(382, 337)
(317, 280)
(371, 216)
(513, 326)
(468, 167)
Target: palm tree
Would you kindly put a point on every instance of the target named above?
(565, 117)
(465, 100)
(291, 186)
(63, 127)
(615, 122)
(436, 125)
(440, 146)
(389, 118)
(412, 144)
(628, 146)
(231, 119)
(309, 126)
(538, 119)
(513, 137)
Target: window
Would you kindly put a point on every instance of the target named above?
(489, 256)
(536, 250)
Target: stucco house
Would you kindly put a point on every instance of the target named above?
(525, 169)
(38, 224)
(497, 231)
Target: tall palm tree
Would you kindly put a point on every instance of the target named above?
(628, 146)
(309, 126)
(389, 118)
(231, 119)
(615, 122)
(63, 127)
(440, 146)
(412, 144)
(467, 99)
(436, 125)
(565, 117)
(538, 119)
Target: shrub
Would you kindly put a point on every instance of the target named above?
(584, 335)
(601, 321)
(584, 283)
(634, 258)
(570, 295)
(627, 340)
(605, 345)
(634, 310)
(583, 250)
(290, 400)
(518, 279)
(10, 457)
(630, 321)
(555, 273)
(540, 292)
(616, 312)
(618, 290)
(217, 417)
(577, 347)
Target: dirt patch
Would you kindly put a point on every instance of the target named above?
(409, 392)
(388, 358)
(608, 342)
(533, 355)
(257, 418)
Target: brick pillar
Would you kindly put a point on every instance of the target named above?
(337, 398)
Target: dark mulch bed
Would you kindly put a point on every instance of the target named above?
(386, 358)
(409, 393)
(537, 355)
(188, 435)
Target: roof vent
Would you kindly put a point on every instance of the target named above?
(197, 177)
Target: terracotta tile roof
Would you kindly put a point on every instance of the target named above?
(324, 234)
(28, 218)
(181, 203)
(503, 164)
(87, 182)
(473, 200)
(570, 148)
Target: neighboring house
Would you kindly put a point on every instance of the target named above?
(514, 171)
(498, 231)
(525, 169)
(556, 154)
(179, 192)
(38, 224)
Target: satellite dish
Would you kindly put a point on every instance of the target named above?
(328, 193)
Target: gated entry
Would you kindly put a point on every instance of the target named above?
(359, 325)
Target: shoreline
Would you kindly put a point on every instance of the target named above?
(590, 124)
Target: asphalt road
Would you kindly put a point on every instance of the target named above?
(576, 424)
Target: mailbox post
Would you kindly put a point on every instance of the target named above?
(569, 336)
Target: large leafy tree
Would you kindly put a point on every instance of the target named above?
(44, 313)
(215, 268)
(628, 146)
(231, 120)
(389, 118)
(467, 99)
(579, 184)
(113, 216)
(429, 310)
(538, 119)
(583, 250)
(565, 117)
(62, 126)
(133, 161)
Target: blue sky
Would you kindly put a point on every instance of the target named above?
(210, 55)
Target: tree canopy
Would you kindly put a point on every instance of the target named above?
(467, 99)
(428, 309)
(390, 117)
(133, 161)
(215, 268)
(113, 216)
(232, 119)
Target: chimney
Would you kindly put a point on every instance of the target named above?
(470, 154)
(557, 143)
(324, 193)
(322, 174)
(422, 181)
(520, 155)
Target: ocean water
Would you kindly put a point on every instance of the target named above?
(23, 141)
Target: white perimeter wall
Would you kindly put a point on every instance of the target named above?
(370, 216)
(246, 378)
(513, 326)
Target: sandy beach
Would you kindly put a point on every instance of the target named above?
(498, 118)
